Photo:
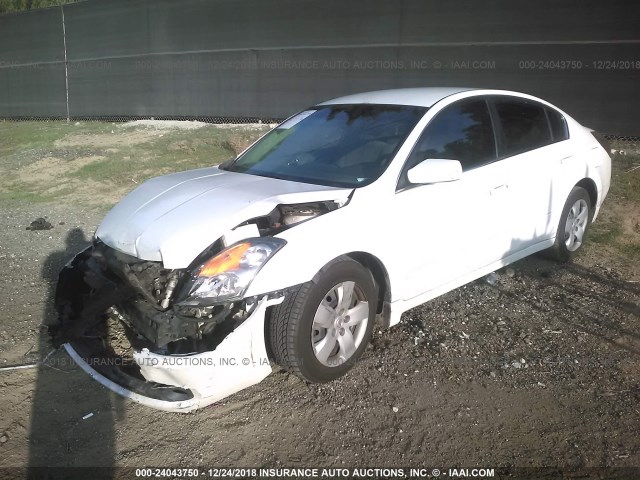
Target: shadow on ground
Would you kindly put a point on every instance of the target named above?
(60, 436)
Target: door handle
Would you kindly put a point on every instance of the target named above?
(500, 188)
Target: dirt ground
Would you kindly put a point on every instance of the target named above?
(539, 369)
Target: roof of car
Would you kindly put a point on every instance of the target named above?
(421, 97)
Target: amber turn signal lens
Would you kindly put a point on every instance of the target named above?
(224, 261)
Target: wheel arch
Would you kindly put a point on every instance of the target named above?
(377, 269)
(374, 265)
(590, 186)
(379, 273)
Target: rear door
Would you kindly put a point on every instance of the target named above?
(531, 144)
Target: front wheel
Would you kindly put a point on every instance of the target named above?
(321, 328)
(574, 223)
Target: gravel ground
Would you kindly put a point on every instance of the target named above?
(538, 367)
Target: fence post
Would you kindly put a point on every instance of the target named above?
(66, 69)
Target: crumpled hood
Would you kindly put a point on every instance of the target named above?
(173, 218)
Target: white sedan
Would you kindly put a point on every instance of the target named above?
(344, 216)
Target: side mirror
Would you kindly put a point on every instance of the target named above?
(435, 170)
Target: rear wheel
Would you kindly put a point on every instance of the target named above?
(321, 328)
(574, 223)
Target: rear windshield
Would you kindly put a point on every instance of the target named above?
(334, 145)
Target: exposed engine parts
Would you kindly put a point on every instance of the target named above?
(171, 286)
(292, 214)
(286, 216)
(141, 294)
(149, 300)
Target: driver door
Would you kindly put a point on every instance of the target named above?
(445, 231)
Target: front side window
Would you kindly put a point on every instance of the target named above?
(524, 126)
(462, 131)
(335, 145)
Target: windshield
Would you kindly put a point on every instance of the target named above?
(335, 145)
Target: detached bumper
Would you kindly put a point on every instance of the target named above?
(183, 383)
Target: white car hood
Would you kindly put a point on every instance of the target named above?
(173, 218)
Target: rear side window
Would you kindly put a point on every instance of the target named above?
(462, 131)
(524, 126)
(558, 124)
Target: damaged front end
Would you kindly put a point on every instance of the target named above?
(172, 339)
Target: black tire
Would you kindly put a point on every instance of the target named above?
(559, 251)
(290, 324)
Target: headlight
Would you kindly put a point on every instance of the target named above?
(226, 276)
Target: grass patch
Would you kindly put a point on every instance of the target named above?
(28, 195)
(610, 233)
(622, 203)
(16, 137)
(607, 233)
(170, 152)
(631, 250)
(625, 182)
(626, 185)
(113, 170)
(88, 155)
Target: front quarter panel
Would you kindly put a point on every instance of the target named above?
(313, 244)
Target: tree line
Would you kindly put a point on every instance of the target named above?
(7, 6)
